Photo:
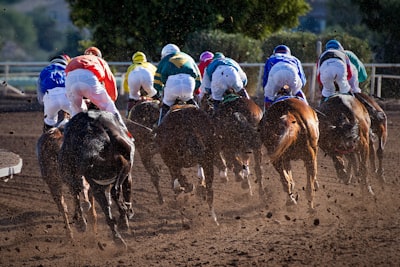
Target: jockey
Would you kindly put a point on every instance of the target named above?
(360, 75)
(283, 69)
(139, 75)
(334, 67)
(358, 70)
(222, 74)
(51, 90)
(205, 59)
(90, 76)
(177, 77)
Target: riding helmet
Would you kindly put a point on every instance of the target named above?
(169, 49)
(282, 49)
(93, 51)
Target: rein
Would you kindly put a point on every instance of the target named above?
(141, 125)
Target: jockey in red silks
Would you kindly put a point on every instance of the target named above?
(51, 90)
(90, 76)
(205, 59)
(280, 69)
(177, 77)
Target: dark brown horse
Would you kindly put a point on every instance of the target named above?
(95, 146)
(47, 149)
(345, 134)
(379, 132)
(142, 119)
(185, 139)
(289, 131)
(236, 123)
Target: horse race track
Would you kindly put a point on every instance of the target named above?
(348, 228)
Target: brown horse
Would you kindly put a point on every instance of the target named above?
(142, 119)
(236, 123)
(379, 132)
(289, 131)
(47, 149)
(185, 139)
(345, 134)
(95, 146)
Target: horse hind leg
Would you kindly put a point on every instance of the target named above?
(153, 170)
(285, 174)
(99, 195)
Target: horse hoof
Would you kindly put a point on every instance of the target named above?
(189, 188)
(245, 185)
(85, 206)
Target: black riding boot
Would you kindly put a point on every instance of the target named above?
(46, 127)
(216, 104)
(243, 93)
(163, 110)
(130, 105)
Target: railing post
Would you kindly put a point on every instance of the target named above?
(373, 74)
(379, 86)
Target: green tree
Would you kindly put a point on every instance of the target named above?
(382, 17)
(121, 27)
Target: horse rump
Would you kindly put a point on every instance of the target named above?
(96, 147)
(345, 135)
(289, 131)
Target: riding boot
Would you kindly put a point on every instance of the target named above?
(216, 104)
(46, 127)
(192, 102)
(163, 111)
(130, 105)
(243, 93)
(301, 95)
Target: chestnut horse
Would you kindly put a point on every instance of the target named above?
(236, 123)
(185, 139)
(345, 134)
(142, 119)
(95, 146)
(289, 131)
(379, 132)
(47, 149)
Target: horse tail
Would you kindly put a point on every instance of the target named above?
(289, 135)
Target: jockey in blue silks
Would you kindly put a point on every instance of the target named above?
(282, 69)
(222, 74)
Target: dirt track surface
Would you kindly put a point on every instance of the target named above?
(348, 228)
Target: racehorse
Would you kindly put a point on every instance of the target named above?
(236, 123)
(96, 147)
(289, 131)
(379, 131)
(185, 139)
(47, 149)
(345, 134)
(142, 119)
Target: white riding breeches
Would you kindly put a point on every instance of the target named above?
(140, 78)
(55, 100)
(224, 78)
(83, 83)
(178, 87)
(333, 70)
(282, 74)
